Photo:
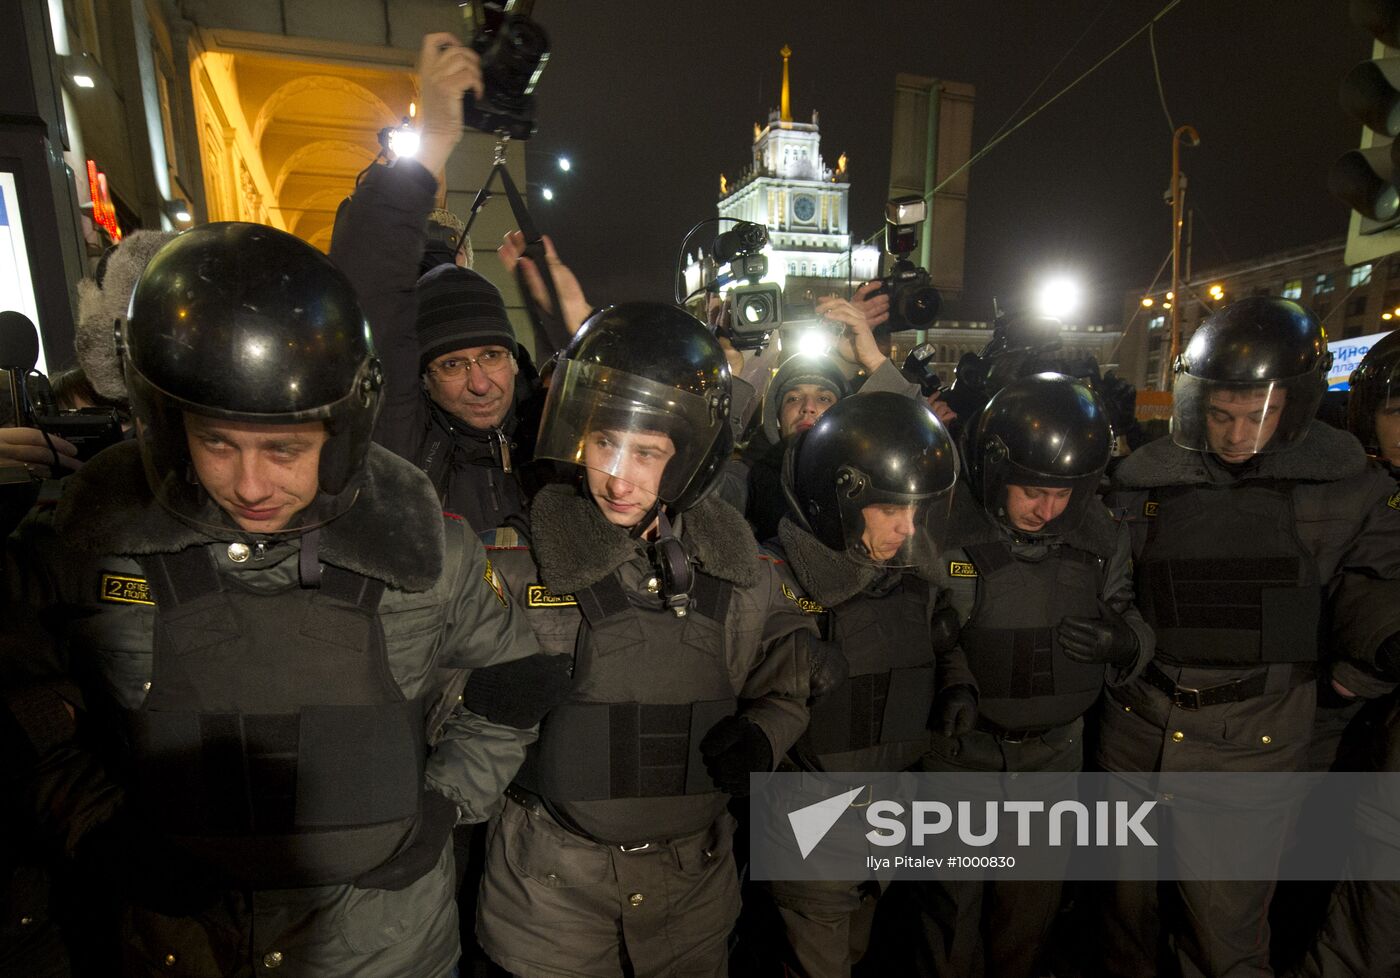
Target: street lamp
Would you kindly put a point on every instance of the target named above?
(546, 193)
(565, 164)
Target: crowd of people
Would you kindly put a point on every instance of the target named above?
(375, 650)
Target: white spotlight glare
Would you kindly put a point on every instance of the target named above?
(404, 142)
(1059, 298)
(84, 81)
(565, 164)
(547, 194)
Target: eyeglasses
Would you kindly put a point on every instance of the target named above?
(491, 362)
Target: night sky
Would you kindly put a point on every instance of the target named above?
(654, 100)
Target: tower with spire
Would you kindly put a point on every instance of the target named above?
(788, 188)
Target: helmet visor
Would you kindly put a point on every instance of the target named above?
(1235, 421)
(652, 439)
(892, 529)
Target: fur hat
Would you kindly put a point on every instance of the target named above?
(102, 301)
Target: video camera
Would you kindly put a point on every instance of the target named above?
(514, 50)
(1020, 346)
(914, 302)
(753, 309)
(31, 398)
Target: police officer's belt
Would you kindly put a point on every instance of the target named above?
(1010, 735)
(1190, 698)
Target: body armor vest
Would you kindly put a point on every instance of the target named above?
(274, 743)
(1224, 579)
(620, 759)
(878, 718)
(1024, 680)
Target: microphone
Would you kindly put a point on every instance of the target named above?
(19, 352)
(19, 342)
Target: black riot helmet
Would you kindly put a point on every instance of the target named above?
(878, 449)
(1250, 379)
(242, 322)
(1043, 430)
(1375, 388)
(635, 370)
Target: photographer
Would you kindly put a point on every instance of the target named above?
(801, 390)
(455, 391)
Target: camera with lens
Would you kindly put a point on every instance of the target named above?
(514, 50)
(914, 302)
(753, 309)
(28, 400)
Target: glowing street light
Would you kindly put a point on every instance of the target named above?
(1059, 297)
(1147, 302)
(546, 193)
(565, 164)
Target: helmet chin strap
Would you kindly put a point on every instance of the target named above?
(669, 557)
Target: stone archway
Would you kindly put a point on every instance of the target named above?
(286, 124)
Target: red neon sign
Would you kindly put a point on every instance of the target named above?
(104, 215)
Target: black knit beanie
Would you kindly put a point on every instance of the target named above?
(457, 309)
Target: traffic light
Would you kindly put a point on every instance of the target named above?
(1368, 178)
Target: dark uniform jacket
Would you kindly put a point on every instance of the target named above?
(880, 626)
(591, 592)
(1048, 577)
(1302, 577)
(82, 569)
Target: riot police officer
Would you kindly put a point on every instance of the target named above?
(1244, 520)
(1041, 580)
(613, 854)
(1373, 410)
(255, 610)
(869, 488)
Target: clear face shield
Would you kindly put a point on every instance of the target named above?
(891, 529)
(1237, 421)
(638, 441)
(1387, 423)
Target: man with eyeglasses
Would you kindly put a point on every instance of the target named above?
(472, 390)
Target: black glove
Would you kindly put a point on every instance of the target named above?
(520, 692)
(944, 629)
(733, 749)
(954, 710)
(434, 826)
(128, 855)
(1108, 639)
(1388, 659)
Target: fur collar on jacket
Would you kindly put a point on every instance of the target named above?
(828, 576)
(575, 546)
(393, 532)
(1325, 454)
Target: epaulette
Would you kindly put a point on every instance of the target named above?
(502, 538)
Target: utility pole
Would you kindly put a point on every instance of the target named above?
(1178, 191)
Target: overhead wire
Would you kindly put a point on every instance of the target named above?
(997, 140)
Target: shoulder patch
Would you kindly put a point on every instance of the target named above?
(125, 589)
(1394, 501)
(493, 581)
(1149, 508)
(961, 568)
(806, 605)
(538, 596)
